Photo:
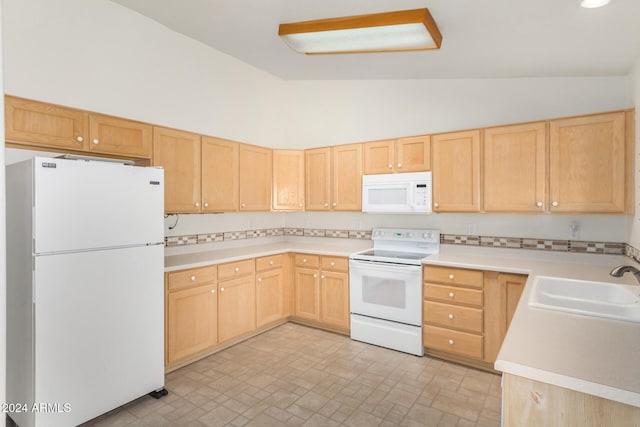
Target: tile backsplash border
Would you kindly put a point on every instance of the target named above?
(555, 245)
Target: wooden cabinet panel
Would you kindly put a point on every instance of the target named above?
(192, 277)
(587, 164)
(453, 294)
(269, 296)
(318, 179)
(113, 135)
(269, 262)
(307, 261)
(462, 343)
(454, 276)
(255, 178)
(347, 178)
(236, 307)
(413, 154)
(220, 175)
(335, 263)
(456, 171)
(452, 316)
(288, 180)
(515, 173)
(334, 299)
(191, 321)
(307, 294)
(44, 124)
(179, 154)
(235, 269)
(379, 157)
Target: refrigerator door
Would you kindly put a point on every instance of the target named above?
(80, 205)
(99, 331)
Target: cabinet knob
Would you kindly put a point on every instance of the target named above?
(451, 342)
(322, 277)
(236, 269)
(304, 260)
(96, 141)
(435, 205)
(213, 291)
(450, 316)
(334, 204)
(332, 264)
(554, 204)
(79, 139)
(539, 204)
(390, 166)
(315, 276)
(270, 262)
(193, 278)
(299, 205)
(221, 289)
(451, 276)
(197, 204)
(206, 205)
(399, 165)
(259, 279)
(326, 205)
(242, 205)
(451, 295)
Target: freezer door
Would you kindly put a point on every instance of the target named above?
(99, 331)
(81, 205)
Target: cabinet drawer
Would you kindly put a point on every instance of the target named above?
(453, 316)
(454, 276)
(191, 277)
(453, 294)
(335, 263)
(269, 262)
(305, 260)
(235, 269)
(451, 341)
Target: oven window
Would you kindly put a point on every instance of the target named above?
(388, 196)
(384, 291)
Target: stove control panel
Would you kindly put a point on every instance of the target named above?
(406, 235)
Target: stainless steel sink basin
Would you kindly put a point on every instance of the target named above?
(600, 299)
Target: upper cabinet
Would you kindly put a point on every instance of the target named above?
(515, 168)
(587, 164)
(220, 175)
(52, 126)
(255, 178)
(456, 171)
(397, 155)
(178, 153)
(334, 178)
(288, 180)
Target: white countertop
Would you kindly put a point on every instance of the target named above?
(592, 355)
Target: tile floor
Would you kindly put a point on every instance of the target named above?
(298, 376)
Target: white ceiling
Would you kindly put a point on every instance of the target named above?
(481, 39)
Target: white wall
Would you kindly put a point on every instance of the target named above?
(633, 237)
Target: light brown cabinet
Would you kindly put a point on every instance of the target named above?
(191, 313)
(322, 290)
(255, 178)
(397, 155)
(333, 178)
(515, 168)
(236, 299)
(220, 175)
(270, 289)
(288, 180)
(53, 126)
(456, 171)
(587, 164)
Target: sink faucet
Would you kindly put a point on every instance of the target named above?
(621, 269)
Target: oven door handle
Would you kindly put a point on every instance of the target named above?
(384, 266)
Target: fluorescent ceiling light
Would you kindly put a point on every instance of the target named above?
(381, 32)
(594, 3)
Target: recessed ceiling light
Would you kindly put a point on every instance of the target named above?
(590, 4)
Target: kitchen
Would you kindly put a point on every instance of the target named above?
(129, 73)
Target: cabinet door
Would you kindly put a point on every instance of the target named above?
(269, 296)
(220, 175)
(379, 157)
(307, 294)
(112, 135)
(236, 307)
(456, 172)
(413, 154)
(334, 299)
(515, 173)
(346, 178)
(178, 153)
(191, 321)
(318, 179)
(255, 178)
(288, 180)
(44, 124)
(587, 164)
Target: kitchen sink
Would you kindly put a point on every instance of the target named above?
(599, 299)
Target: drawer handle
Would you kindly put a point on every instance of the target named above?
(451, 276)
(451, 295)
(333, 264)
(451, 342)
(193, 278)
(304, 260)
(450, 316)
(236, 269)
(270, 262)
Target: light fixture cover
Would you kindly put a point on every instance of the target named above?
(381, 32)
(590, 4)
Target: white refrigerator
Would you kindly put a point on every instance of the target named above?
(85, 292)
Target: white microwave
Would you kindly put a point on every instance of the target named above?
(397, 193)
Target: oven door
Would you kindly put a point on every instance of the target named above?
(386, 291)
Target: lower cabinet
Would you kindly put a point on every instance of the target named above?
(236, 299)
(322, 290)
(466, 312)
(271, 304)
